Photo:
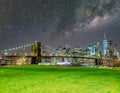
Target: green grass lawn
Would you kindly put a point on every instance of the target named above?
(58, 79)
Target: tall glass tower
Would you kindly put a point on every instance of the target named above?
(90, 50)
(105, 45)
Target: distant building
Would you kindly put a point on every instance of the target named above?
(112, 50)
(77, 49)
(57, 52)
(105, 46)
(68, 51)
(95, 51)
(64, 51)
(90, 50)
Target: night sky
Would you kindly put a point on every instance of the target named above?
(58, 22)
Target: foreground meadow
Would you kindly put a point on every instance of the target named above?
(58, 79)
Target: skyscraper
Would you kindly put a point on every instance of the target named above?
(90, 50)
(105, 45)
(95, 49)
(112, 50)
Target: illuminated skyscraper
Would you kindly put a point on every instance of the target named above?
(105, 45)
(90, 50)
(95, 49)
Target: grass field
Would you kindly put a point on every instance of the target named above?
(58, 79)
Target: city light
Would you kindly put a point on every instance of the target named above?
(76, 55)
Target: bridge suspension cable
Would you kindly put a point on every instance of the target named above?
(23, 47)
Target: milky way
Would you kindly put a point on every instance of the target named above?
(58, 22)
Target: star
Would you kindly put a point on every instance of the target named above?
(58, 22)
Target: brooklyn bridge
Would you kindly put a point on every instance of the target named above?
(37, 52)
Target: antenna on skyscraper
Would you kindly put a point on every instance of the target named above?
(104, 36)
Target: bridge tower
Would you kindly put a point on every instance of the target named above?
(36, 51)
